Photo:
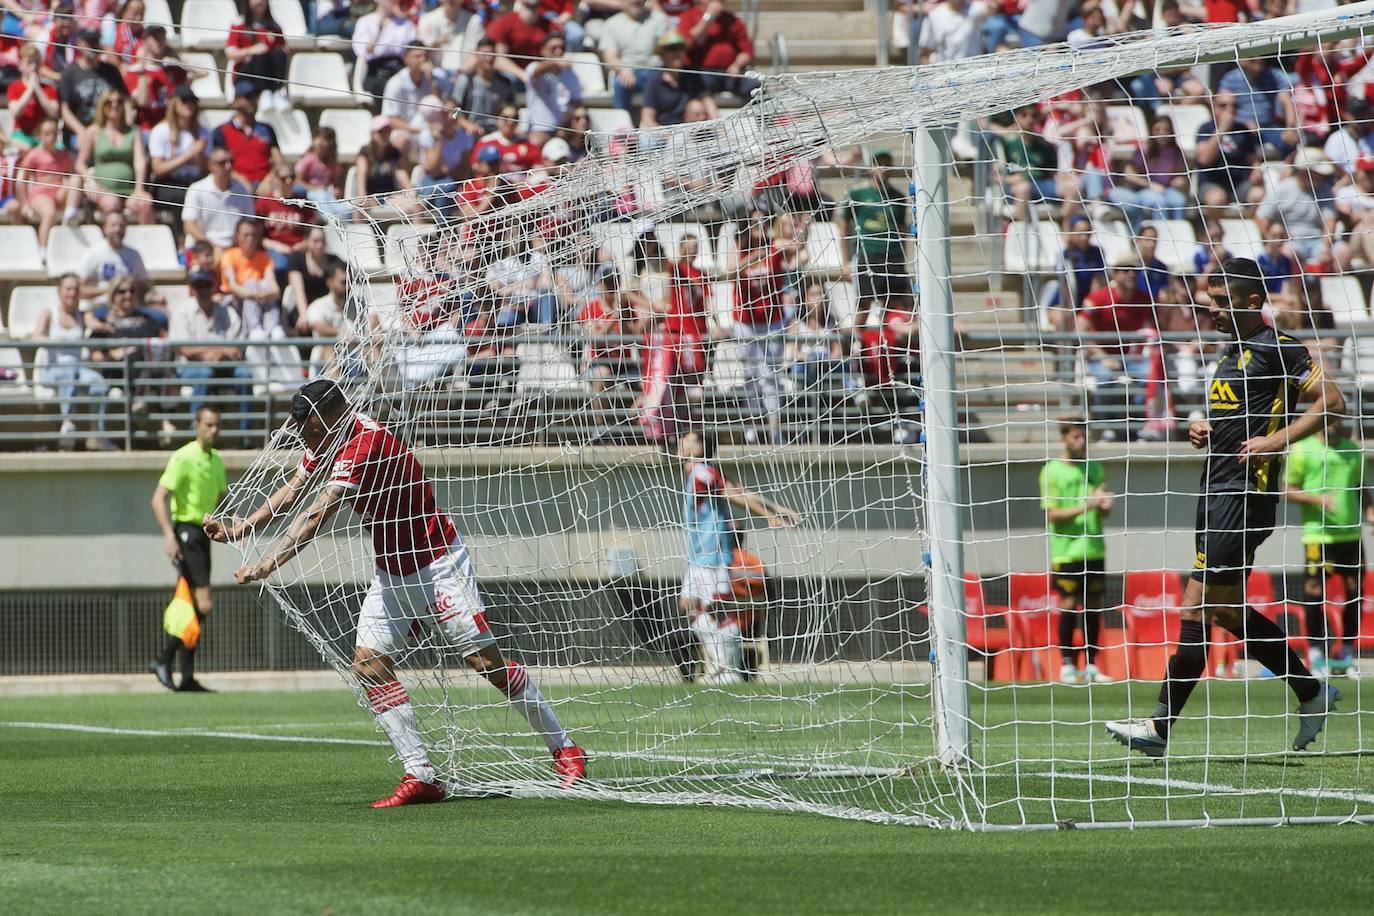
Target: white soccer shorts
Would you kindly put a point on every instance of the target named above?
(706, 584)
(443, 594)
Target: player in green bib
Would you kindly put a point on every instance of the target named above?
(1074, 495)
(1326, 477)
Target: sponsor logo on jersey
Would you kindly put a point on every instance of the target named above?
(1244, 360)
(1201, 561)
(1222, 396)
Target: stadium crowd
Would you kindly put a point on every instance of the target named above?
(1154, 180)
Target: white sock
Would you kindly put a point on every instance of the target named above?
(731, 647)
(391, 705)
(524, 695)
(704, 625)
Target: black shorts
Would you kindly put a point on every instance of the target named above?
(1083, 581)
(881, 281)
(1344, 557)
(195, 553)
(1230, 528)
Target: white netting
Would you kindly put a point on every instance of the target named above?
(538, 353)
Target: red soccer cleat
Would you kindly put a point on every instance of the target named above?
(570, 763)
(411, 791)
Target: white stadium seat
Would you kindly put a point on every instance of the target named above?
(1128, 126)
(157, 12)
(292, 129)
(352, 126)
(545, 367)
(19, 258)
(13, 359)
(356, 245)
(210, 118)
(290, 15)
(1188, 119)
(205, 23)
(1031, 248)
(208, 88)
(823, 245)
(158, 249)
(67, 246)
(402, 245)
(670, 235)
(1116, 241)
(1241, 238)
(26, 304)
(1177, 243)
(1344, 299)
(318, 79)
(844, 302)
(609, 120)
(587, 67)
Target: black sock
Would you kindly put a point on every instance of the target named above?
(1185, 667)
(1267, 644)
(188, 665)
(1068, 622)
(1092, 634)
(169, 651)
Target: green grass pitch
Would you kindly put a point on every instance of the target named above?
(169, 820)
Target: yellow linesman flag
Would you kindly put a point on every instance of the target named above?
(179, 619)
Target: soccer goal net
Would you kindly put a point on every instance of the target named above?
(787, 444)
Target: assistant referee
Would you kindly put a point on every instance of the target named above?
(195, 481)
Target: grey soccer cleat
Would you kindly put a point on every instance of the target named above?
(1139, 735)
(1312, 716)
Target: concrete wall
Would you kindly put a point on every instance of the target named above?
(83, 521)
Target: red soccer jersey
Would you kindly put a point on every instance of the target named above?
(31, 115)
(160, 93)
(1108, 312)
(522, 39)
(389, 491)
(758, 292)
(726, 39)
(688, 301)
(245, 34)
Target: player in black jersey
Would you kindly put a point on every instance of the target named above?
(1250, 421)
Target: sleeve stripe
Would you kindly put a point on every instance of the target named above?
(1312, 378)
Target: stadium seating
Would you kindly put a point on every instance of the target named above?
(292, 129)
(210, 118)
(1031, 248)
(156, 245)
(986, 630)
(20, 259)
(1177, 243)
(26, 304)
(544, 368)
(610, 120)
(1128, 128)
(157, 12)
(12, 361)
(319, 79)
(210, 87)
(670, 235)
(1344, 299)
(590, 73)
(1241, 238)
(844, 302)
(205, 23)
(1152, 602)
(402, 242)
(1188, 120)
(353, 128)
(67, 246)
(356, 245)
(290, 15)
(823, 246)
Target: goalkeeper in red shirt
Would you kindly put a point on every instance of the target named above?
(424, 577)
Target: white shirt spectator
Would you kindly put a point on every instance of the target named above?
(635, 40)
(393, 36)
(1047, 18)
(1297, 208)
(218, 212)
(549, 96)
(188, 322)
(161, 145)
(402, 96)
(1343, 147)
(952, 31)
(454, 39)
(325, 310)
(1351, 200)
(101, 264)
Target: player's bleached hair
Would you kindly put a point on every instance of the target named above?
(322, 397)
(1242, 277)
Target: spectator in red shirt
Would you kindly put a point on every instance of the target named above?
(718, 43)
(1121, 309)
(150, 82)
(286, 224)
(256, 51)
(675, 361)
(47, 186)
(607, 319)
(58, 47)
(125, 34)
(518, 35)
(515, 149)
(32, 100)
(759, 270)
(252, 143)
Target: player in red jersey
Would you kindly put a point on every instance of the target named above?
(424, 577)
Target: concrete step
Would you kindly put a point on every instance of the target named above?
(803, 25)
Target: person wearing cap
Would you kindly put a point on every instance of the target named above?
(718, 44)
(83, 83)
(445, 152)
(252, 143)
(32, 100)
(149, 81)
(668, 91)
(629, 48)
(477, 195)
(381, 172)
(256, 51)
(218, 362)
(551, 88)
(1302, 203)
(178, 148)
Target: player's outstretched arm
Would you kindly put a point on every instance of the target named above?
(778, 515)
(225, 530)
(302, 530)
(1326, 400)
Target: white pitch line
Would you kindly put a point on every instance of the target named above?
(1217, 788)
(178, 733)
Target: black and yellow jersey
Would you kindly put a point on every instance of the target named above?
(1252, 391)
